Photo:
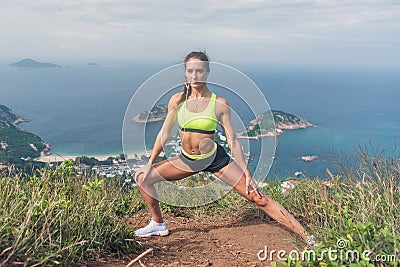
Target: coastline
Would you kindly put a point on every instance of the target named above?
(56, 157)
(268, 134)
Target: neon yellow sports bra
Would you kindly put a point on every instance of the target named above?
(198, 122)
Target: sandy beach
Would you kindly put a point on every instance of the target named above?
(55, 157)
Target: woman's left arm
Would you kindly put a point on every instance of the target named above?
(224, 116)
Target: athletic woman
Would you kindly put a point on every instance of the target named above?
(198, 112)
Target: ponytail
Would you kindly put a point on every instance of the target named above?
(187, 91)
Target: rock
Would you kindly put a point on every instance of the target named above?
(309, 158)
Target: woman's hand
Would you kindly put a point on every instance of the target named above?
(251, 186)
(146, 170)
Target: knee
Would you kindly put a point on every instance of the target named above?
(260, 202)
(139, 179)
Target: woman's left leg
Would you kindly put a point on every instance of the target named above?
(233, 175)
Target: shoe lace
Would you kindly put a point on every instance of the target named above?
(311, 240)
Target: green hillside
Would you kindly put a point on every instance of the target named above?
(16, 145)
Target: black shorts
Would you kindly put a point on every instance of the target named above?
(213, 164)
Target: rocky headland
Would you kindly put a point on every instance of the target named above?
(264, 125)
(16, 144)
(157, 113)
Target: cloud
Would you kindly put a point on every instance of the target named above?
(93, 27)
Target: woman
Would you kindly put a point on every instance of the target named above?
(198, 111)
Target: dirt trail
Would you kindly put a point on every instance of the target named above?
(200, 242)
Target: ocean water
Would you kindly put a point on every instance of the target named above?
(80, 110)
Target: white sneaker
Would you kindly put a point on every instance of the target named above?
(311, 240)
(153, 228)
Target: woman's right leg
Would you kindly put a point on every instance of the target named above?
(233, 175)
(170, 169)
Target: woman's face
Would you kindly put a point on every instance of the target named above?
(196, 72)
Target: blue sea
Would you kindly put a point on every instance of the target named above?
(80, 110)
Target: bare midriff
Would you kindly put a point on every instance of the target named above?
(197, 143)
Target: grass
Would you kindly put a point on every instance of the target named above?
(361, 210)
(58, 217)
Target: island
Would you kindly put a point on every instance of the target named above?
(92, 64)
(30, 63)
(16, 145)
(309, 158)
(157, 113)
(263, 125)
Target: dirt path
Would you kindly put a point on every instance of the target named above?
(200, 242)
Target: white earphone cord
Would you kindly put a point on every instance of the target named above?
(187, 85)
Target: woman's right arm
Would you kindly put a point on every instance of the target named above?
(165, 131)
(162, 136)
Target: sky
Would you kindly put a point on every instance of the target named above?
(322, 32)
